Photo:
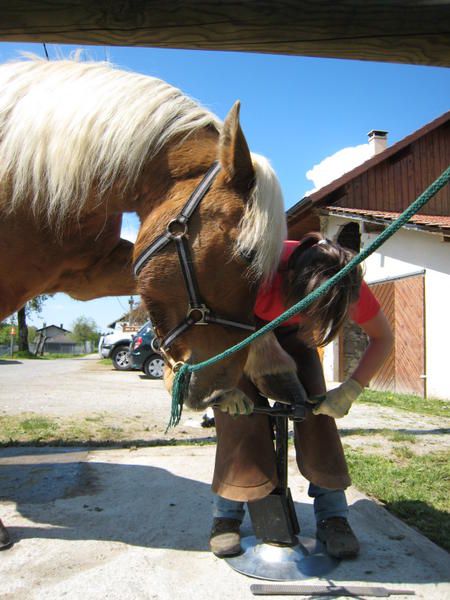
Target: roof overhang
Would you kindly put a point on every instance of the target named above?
(395, 31)
(425, 223)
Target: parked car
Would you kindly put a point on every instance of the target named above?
(142, 356)
(116, 346)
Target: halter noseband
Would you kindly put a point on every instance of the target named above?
(176, 231)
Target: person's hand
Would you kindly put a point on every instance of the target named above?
(236, 403)
(337, 402)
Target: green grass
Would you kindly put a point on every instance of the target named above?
(105, 361)
(391, 434)
(24, 354)
(415, 488)
(95, 430)
(29, 427)
(25, 429)
(407, 402)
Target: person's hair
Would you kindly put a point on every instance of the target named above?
(310, 265)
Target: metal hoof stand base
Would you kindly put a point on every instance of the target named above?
(282, 563)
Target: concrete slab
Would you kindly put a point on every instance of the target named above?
(134, 524)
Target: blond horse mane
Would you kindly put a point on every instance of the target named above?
(66, 126)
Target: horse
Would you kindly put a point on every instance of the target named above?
(81, 143)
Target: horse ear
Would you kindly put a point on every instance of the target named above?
(234, 154)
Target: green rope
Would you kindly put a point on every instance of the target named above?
(181, 382)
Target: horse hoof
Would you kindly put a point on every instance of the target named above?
(282, 387)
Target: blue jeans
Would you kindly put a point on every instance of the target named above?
(327, 503)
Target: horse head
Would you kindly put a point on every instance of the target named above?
(199, 275)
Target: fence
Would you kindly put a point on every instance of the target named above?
(53, 348)
(5, 349)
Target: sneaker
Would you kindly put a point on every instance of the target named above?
(225, 537)
(5, 540)
(338, 537)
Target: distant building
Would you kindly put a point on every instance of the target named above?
(57, 340)
(52, 331)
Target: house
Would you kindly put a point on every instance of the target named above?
(57, 340)
(410, 273)
(52, 331)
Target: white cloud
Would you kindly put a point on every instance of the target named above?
(337, 164)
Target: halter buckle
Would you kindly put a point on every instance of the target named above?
(198, 314)
(177, 229)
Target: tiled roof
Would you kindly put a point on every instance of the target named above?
(431, 222)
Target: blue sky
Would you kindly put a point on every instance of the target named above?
(296, 111)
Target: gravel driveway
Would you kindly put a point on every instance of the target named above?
(85, 387)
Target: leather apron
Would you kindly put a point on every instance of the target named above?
(245, 467)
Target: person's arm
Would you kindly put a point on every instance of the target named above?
(338, 401)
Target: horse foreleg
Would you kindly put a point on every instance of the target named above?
(273, 371)
(112, 275)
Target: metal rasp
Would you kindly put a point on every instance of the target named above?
(268, 589)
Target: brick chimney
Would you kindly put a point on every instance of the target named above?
(377, 141)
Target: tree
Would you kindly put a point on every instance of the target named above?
(5, 333)
(85, 329)
(32, 306)
(23, 329)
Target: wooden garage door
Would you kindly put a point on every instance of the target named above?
(402, 301)
(385, 378)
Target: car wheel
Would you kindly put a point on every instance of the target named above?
(120, 358)
(154, 367)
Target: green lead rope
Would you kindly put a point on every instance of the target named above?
(180, 389)
(182, 377)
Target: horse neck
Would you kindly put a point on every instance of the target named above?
(182, 159)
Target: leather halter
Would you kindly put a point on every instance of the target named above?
(176, 231)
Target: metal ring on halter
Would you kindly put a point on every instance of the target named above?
(203, 310)
(171, 362)
(177, 234)
(177, 366)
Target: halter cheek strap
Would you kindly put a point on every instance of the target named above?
(176, 231)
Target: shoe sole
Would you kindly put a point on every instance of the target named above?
(228, 554)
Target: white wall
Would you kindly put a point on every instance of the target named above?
(406, 253)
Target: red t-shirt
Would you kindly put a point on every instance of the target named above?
(269, 302)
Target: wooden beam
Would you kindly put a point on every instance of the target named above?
(398, 31)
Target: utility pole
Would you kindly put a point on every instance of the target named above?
(12, 333)
(130, 316)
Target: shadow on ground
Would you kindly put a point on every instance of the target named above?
(63, 497)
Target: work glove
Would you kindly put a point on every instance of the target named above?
(337, 402)
(236, 403)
